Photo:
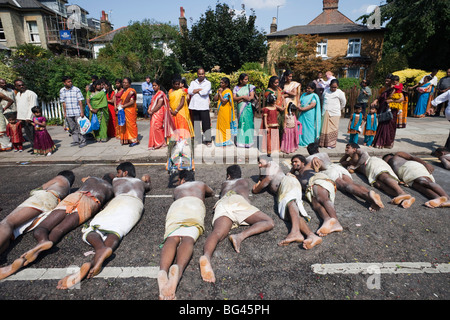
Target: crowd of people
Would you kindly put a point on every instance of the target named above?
(291, 118)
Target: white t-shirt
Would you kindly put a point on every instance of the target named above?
(334, 102)
(199, 101)
(24, 102)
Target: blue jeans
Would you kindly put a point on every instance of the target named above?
(147, 99)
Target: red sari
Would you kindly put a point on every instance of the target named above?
(161, 122)
(112, 121)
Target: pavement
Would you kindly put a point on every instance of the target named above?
(420, 137)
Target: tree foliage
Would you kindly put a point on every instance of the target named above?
(143, 49)
(419, 30)
(223, 38)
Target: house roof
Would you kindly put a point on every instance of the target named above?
(24, 4)
(319, 29)
(107, 37)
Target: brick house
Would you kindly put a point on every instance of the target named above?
(341, 37)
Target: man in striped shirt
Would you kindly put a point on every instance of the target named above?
(71, 99)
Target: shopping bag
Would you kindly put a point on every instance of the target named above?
(95, 124)
(121, 117)
(85, 125)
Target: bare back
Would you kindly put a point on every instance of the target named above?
(99, 188)
(130, 186)
(240, 186)
(59, 184)
(396, 162)
(272, 175)
(193, 189)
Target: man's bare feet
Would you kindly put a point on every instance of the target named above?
(12, 268)
(168, 291)
(32, 255)
(436, 202)
(400, 198)
(311, 241)
(100, 257)
(408, 203)
(329, 226)
(75, 278)
(162, 282)
(236, 242)
(377, 204)
(206, 270)
(294, 236)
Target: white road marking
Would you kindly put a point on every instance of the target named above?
(34, 274)
(382, 268)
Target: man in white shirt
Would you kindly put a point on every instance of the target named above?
(25, 101)
(199, 91)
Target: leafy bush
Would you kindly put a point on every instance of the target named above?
(412, 77)
(348, 83)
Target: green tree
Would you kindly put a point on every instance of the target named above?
(419, 30)
(222, 38)
(143, 48)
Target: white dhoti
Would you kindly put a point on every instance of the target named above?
(119, 216)
(184, 213)
(42, 200)
(376, 166)
(235, 207)
(289, 190)
(412, 170)
(335, 171)
(325, 182)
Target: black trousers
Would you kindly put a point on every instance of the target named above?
(202, 123)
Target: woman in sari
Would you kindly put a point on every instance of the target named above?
(161, 123)
(274, 88)
(225, 114)
(112, 123)
(180, 112)
(422, 106)
(291, 89)
(310, 116)
(98, 105)
(386, 130)
(118, 92)
(129, 132)
(243, 94)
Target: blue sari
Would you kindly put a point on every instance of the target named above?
(311, 120)
(422, 102)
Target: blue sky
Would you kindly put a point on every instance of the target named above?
(290, 12)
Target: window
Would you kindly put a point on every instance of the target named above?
(33, 32)
(353, 72)
(354, 48)
(322, 48)
(2, 32)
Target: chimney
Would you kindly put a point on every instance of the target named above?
(273, 26)
(330, 4)
(182, 20)
(105, 25)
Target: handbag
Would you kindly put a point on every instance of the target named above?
(385, 116)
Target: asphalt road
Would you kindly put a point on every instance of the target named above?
(262, 271)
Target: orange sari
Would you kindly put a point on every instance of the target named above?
(129, 132)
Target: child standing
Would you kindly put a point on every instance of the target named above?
(271, 136)
(370, 126)
(43, 143)
(14, 132)
(354, 125)
(292, 131)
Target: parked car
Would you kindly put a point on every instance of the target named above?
(139, 99)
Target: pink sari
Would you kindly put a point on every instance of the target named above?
(161, 122)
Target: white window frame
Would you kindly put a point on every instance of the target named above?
(322, 49)
(354, 68)
(33, 34)
(351, 52)
(2, 32)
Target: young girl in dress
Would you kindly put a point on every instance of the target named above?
(270, 125)
(14, 131)
(292, 131)
(43, 143)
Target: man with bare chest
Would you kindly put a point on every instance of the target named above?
(417, 174)
(290, 203)
(231, 211)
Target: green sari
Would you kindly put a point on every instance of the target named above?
(246, 126)
(99, 102)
